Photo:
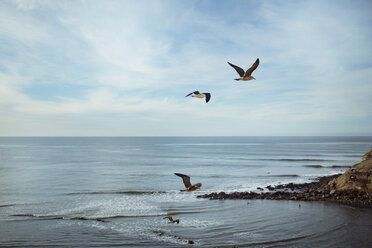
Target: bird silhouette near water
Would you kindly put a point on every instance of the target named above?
(247, 75)
(171, 221)
(187, 183)
(197, 94)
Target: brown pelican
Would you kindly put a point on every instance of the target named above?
(186, 182)
(245, 76)
(171, 221)
(200, 95)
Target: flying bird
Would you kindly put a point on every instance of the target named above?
(171, 221)
(200, 95)
(188, 185)
(245, 76)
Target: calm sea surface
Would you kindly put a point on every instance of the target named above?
(115, 191)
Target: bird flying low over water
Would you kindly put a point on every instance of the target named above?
(197, 94)
(188, 185)
(245, 76)
(171, 221)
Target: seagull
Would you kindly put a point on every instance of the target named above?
(200, 95)
(186, 182)
(245, 76)
(171, 221)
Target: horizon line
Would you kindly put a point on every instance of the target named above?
(170, 136)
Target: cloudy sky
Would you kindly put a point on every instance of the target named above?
(123, 68)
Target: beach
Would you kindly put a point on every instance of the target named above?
(109, 192)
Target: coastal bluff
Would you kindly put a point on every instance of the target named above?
(359, 176)
(354, 188)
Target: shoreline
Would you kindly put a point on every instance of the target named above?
(319, 190)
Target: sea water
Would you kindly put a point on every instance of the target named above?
(115, 191)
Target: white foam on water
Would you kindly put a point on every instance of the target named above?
(150, 229)
(119, 206)
(123, 205)
(199, 223)
(248, 234)
(247, 186)
(145, 216)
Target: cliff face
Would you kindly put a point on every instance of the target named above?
(359, 176)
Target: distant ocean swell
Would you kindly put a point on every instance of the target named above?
(285, 159)
(324, 166)
(129, 192)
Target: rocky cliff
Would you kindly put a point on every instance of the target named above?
(359, 176)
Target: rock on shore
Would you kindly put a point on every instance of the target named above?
(353, 188)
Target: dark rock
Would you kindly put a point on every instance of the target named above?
(270, 187)
(318, 190)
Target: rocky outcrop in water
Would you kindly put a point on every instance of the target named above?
(353, 188)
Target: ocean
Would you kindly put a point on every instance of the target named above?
(115, 192)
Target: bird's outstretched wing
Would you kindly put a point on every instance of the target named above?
(168, 217)
(207, 96)
(239, 70)
(185, 178)
(253, 67)
(195, 92)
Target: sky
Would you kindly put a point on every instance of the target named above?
(123, 68)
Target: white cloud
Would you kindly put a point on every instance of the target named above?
(140, 59)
